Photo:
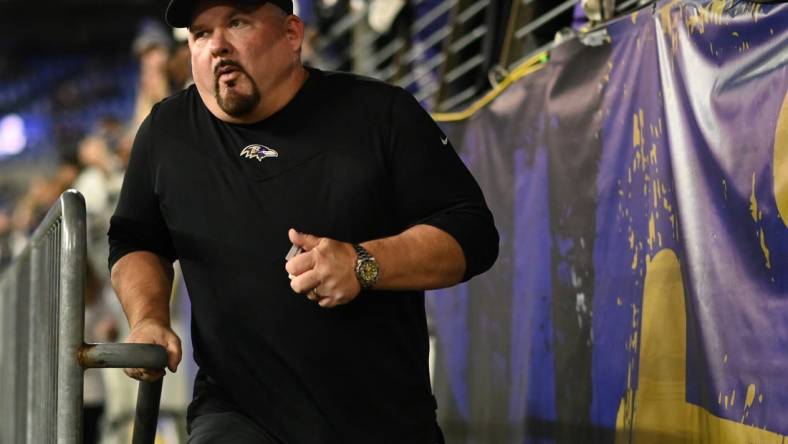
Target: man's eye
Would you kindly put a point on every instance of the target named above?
(199, 34)
(234, 23)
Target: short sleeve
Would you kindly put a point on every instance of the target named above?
(137, 224)
(433, 186)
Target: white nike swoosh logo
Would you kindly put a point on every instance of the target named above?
(445, 140)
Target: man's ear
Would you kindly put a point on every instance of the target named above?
(294, 31)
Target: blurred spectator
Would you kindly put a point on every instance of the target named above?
(179, 67)
(99, 181)
(40, 196)
(152, 48)
(111, 129)
(123, 148)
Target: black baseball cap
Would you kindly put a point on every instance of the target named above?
(179, 12)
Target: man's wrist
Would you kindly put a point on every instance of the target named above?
(150, 320)
(367, 268)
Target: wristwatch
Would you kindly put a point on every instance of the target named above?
(367, 270)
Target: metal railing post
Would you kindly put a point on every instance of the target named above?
(42, 318)
(147, 412)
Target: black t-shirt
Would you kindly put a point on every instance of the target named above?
(348, 158)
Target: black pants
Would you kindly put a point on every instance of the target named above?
(234, 428)
(227, 427)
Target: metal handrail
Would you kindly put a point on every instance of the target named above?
(42, 318)
(544, 18)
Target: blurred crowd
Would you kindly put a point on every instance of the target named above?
(95, 167)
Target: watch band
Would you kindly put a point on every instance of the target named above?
(367, 270)
(362, 253)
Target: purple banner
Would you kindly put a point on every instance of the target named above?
(641, 191)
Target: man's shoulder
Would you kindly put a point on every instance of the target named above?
(363, 94)
(176, 104)
(355, 84)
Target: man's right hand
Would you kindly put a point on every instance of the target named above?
(149, 331)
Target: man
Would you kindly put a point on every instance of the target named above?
(261, 153)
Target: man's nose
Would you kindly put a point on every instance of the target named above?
(220, 46)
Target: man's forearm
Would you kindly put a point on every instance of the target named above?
(421, 257)
(143, 282)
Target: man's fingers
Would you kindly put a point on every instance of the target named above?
(325, 270)
(303, 240)
(172, 345)
(155, 333)
(305, 282)
(328, 302)
(301, 263)
(173, 353)
(145, 374)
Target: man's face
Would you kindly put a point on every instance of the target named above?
(239, 54)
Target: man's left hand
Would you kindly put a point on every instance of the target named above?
(325, 271)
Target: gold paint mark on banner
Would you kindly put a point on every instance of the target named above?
(765, 249)
(655, 194)
(666, 21)
(750, 396)
(651, 232)
(780, 163)
(757, 216)
(665, 204)
(633, 342)
(657, 412)
(753, 201)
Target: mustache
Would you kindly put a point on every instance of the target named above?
(226, 63)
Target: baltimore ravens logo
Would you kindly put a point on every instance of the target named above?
(259, 152)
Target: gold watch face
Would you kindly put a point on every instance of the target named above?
(368, 271)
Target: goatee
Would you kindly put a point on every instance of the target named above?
(231, 102)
